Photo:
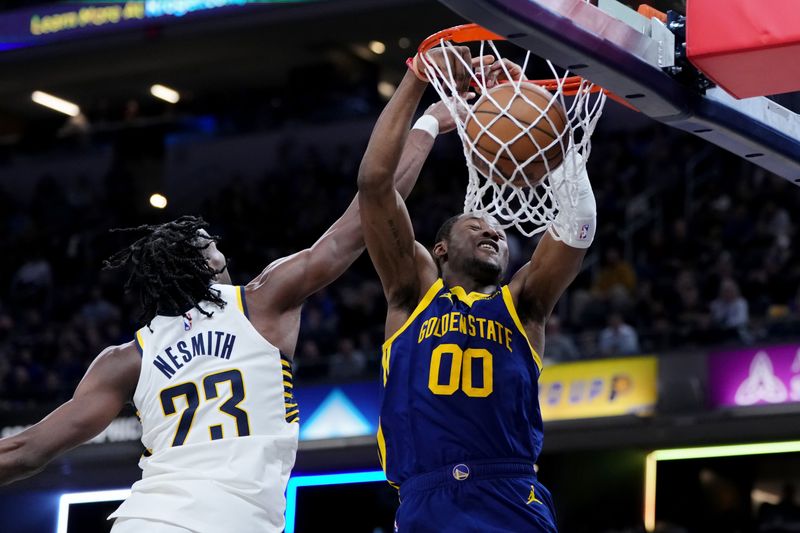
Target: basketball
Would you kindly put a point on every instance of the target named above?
(528, 141)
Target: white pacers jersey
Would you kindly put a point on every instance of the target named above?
(218, 422)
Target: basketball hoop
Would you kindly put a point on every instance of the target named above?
(500, 188)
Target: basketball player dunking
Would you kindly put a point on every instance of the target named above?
(209, 374)
(460, 425)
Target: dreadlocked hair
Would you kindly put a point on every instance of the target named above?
(168, 271)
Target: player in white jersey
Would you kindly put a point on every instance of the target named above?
(209, 374)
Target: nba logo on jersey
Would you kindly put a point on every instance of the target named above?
(584, 234)
(187, 322)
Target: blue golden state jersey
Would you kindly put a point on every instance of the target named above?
(460, 383)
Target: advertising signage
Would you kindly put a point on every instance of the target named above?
(67, 20)
(606, 387)
(754, 376)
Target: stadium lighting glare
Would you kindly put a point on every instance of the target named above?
(165, 93)
(377, 47)
(404, 42)
(702, 452)
(55, 103)
(318, 480)
(386, 89)
(159, 201)
(85, 497)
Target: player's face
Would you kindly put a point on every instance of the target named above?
(216, 260)
(478, 246)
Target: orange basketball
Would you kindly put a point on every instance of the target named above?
(517, 146)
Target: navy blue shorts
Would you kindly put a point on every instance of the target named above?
(479, 497)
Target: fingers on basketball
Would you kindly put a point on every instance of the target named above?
(516, 134)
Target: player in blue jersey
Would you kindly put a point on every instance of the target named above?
(460, 424)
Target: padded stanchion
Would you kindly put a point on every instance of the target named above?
(747, 47)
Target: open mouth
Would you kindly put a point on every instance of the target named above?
(490, 245)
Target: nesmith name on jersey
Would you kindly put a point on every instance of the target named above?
(210, 343)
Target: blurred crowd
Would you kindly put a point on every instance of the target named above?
(694, 250)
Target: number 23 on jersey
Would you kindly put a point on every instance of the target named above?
(210, 390)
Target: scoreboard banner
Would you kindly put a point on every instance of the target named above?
(49, 23)
(754, 376)
(593, 389)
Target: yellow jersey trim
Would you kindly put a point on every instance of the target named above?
(470, 298)
(425, 302)
(382, 454)
(239, 302)
(381, 447)
(387, 354)
(509, 301)
(139, 340)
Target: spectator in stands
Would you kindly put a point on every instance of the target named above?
(689, 312)
(778, 222)
(318, 328)
(560, 347)
(618, 338)
(308, 362)
(33, 282)
(616, 274)
(652, 315)
(684, 248)
(729, 312)
(347, 362)
(98, 310)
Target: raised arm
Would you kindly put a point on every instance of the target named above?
(387, 227)
(557, 259)
(107, 386)
(404, 266)
(288, 282)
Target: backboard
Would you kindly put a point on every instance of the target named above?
(615, 47)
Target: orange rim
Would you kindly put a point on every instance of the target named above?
(473, 32)
(465, 33)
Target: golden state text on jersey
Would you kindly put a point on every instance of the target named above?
(460, 384)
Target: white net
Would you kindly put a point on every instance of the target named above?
(521, 169)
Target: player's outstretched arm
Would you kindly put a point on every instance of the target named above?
(404, 266)
(286, 283)
(557, 259)
(107, 386)
(388, 232)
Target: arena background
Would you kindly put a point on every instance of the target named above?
(690, 290)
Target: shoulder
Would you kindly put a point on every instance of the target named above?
(117, 366)
(427, 272)
(529, 308)
(120, 352)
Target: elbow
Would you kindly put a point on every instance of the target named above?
(370, 180)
